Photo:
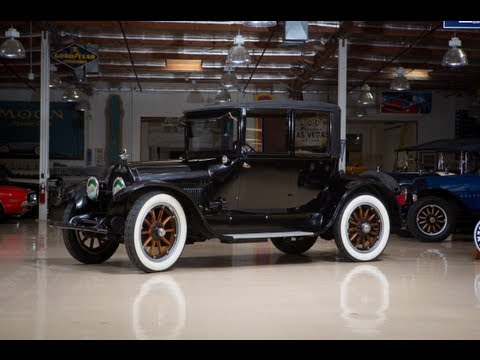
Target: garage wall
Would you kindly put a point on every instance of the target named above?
(439, 124)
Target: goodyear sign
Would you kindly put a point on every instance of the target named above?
(74, 56)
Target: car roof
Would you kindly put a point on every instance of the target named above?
(270, 104)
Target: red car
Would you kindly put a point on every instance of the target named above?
(16, 200)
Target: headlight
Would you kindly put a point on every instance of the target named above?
(32, 198)
(118, 185)
(414, 197)
(92, 188)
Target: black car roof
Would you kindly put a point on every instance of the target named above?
(468, 144)
(270, 104)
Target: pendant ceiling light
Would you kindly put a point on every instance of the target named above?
(259, 24)
(229, 79)
(365, 98)
(238, 54)
(71, 95)
(400, 82)
(83, 105)
(222, 96)
(455, 56)
(12, 48)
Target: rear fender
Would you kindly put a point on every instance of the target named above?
(344, 191)
(78, 194)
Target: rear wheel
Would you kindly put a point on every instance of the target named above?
(84, 246)
(155, 232)
(362, 228)
(431, 219)
(294, 245)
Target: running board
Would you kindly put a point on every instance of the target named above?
(263, 236)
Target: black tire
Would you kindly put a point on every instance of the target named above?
(76, 242)
(431, 219)
(294, 245)
(155, 232)
(362, 228)
(385, 179)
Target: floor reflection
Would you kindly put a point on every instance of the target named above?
(364, 299)
(159, 310)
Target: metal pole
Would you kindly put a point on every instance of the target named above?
(44, 125)
(342, 100)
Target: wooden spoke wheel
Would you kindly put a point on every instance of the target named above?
(155, 232)
(159, 231)
(90, 242)
(431, 219)
(362, 228)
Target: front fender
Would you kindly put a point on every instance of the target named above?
(198, 225)
(78, 194)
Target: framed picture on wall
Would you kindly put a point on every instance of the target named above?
(406, 102)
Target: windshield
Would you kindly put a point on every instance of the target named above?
(212, 133)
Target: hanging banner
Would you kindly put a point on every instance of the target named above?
(461, 24)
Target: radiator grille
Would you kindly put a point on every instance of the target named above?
(195, 194)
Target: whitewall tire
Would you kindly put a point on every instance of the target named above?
(362, 228)
(155, 232)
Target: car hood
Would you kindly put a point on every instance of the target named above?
(172, 169)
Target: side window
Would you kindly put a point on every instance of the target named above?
(311, 132)
(267, 131)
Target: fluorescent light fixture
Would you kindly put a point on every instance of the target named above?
(183, 65)
(259, 24)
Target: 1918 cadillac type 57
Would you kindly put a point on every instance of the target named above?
(253, 171)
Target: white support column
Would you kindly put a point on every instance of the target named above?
(342, 99)
(44, 173)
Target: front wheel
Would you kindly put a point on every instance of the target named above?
(431, 219)
(84, 246)
(362, 228)
(294, 245)
(155, 232)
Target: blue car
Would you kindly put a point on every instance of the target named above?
(442, 205)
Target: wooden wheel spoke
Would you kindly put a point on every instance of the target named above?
(161, 250)
(372, 224)
(166, 220)
(352, 229)
(166, 241)
(152, 216)
(149, 224)
(358, 240)
(371, 217)
(147, 241)
(170, 230)
(363, 242)
(352, 222)
(355, 215)
(366, 213)
(151, 251)
(147, 232)
(354, 236)
(360, 212)
(160, 215)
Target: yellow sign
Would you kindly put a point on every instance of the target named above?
(74, 56)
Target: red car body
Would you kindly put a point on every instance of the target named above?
(16, 200)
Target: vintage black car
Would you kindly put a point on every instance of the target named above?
(251, 172)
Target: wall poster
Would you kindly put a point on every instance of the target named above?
(408, 102)
(20, 130)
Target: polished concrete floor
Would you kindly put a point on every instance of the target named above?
(245, 291)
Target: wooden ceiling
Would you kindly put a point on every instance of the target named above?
(375, 50)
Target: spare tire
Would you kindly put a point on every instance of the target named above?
(384, 178)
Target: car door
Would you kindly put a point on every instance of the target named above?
(265, 178)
